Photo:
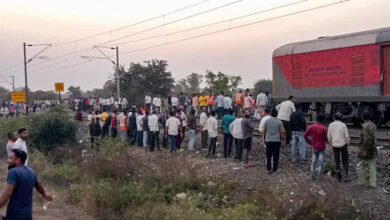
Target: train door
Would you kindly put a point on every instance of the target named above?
(386, 70)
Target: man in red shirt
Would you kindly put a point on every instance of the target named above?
(316, 137)
(114, 123)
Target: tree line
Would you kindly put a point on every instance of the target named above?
(152, 77)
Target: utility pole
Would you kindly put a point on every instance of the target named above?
(117, 74)
(27, 61)
(109, 58)
(13, 83)
(25, 76)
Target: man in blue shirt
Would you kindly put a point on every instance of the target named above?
(19, 190)
(227, 137)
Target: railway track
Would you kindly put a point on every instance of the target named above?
(383, 134)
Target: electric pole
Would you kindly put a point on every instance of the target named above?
(25, 65)
(117, 74)
(25, 76)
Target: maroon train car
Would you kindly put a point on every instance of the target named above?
(348, 73)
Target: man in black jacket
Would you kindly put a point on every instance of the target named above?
(298, 127)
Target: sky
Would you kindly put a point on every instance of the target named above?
(226, 47)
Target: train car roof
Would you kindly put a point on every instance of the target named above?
(332, 42)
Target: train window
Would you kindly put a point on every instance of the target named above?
(357, 61)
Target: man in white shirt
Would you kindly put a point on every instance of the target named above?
(236, 130)
(203, 127)
(227, 102)
(157, 104)
(20, 143)
(174, 103)
(338, 138)
(154, 131)
(261, 102)
(220, 105)
(284, 111)
(267, 112)
(148, 101)
(123, 103)
(212, 126)
(173, 129)
(139, 121)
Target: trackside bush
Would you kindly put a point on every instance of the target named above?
(48, 130)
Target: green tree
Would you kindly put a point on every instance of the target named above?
(74, 91)
(193, 83)
(263, 85)
(181, 86)
(150, 77)
(43, 95)
(221, 82)
(5, 94)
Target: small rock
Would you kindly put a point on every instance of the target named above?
(181, 196)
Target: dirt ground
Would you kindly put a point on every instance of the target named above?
(291, 180)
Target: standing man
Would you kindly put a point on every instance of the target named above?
(338, 138)
(11, 140)
(192, 129)
(203, 101)
(157, 104)
(195, 104)
(20, 143)
(163, 119)
(184, 121)
(182, 101)
(145, 129)
(248, 102)
(114, 124)
(220, 105)
(284, 111)
(227, 136)
(174, 103)
(274, 139)
(213, 133)
(148, 102)
(261, 102)
(105, 126)
(133, 126)
(227, 104)
(154, 131)
(367, 152)
(19, 190)
(247, 130)
(124, 125)
(269, 99)
(238, 103)
(139, 121)
(298, 128)
(173, 129)
(203, 127)
(316, 135)
(236, 130)
(210, 100)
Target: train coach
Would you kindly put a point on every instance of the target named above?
(348, 73)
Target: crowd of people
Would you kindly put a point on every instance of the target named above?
(281, 126)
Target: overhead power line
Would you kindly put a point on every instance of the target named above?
(236, 27)
(214, 32)
(77, 52)
(20, 66)
(172, 22)
(133, 24)
(214, 23)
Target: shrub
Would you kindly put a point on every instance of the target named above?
(62, 174)
(48, 130)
